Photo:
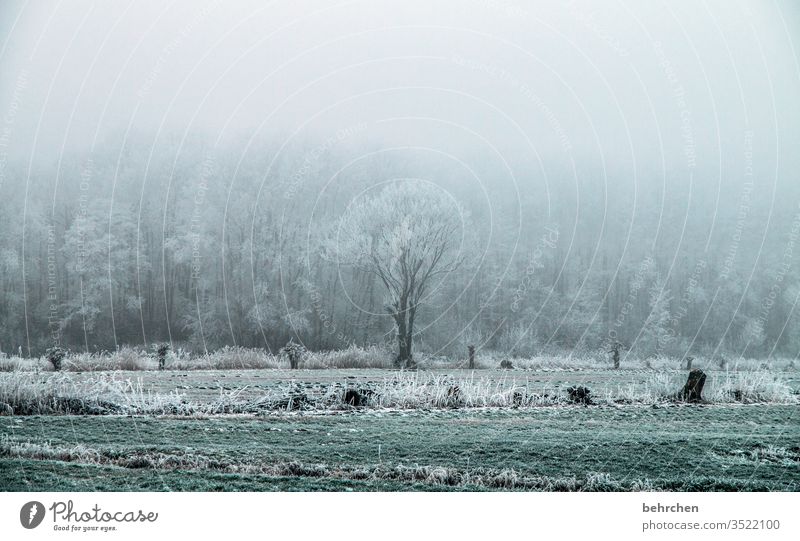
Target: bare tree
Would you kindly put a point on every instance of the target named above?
(407, 236)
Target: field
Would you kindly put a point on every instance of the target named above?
(437, 429)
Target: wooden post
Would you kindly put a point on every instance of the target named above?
(616, 356)
(471, 350)
(689, 363)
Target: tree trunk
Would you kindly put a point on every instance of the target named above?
(402, 355)
(404, 347)
(404, 342)
(410, 337)
(405, 332)
(471, 350)
(693, 390)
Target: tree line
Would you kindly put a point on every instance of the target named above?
(204, 246)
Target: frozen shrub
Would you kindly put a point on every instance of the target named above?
(294, 352)
(162, 351)
(56, 356)
(579, 395)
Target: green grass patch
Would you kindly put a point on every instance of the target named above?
(744, 447)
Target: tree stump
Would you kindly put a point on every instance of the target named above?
(693, 390)
(689, 363)
(471, 350)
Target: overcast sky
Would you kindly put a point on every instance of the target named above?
(678, 84)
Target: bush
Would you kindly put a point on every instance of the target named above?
(56, 355)
(579, 395)
(294, 352)
(162, 350)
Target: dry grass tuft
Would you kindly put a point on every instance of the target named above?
(353, 357)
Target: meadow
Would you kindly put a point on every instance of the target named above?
(260, 426)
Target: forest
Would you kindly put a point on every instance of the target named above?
(203, 244)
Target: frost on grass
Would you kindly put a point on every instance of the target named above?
(27, 393)
(788, 457)
(476, 478)
(721, 388)
(372, 357)
(752, 387)
(480, 478)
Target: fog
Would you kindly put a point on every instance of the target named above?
(611, 76)
(172, 171)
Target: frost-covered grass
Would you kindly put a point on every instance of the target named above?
(431, 429)
(27, 393)
(550, 448)
(30, 394)
(374, 357)
(436, 476)
(721, 388)
(602, 361)
(764, 455)
(9, 364)
(353, 357)
(127, 359)
(226, 358)
(420, 390)
(752, 387)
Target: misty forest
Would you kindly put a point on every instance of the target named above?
(399, 245)
(201, 247)
(575, 207)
